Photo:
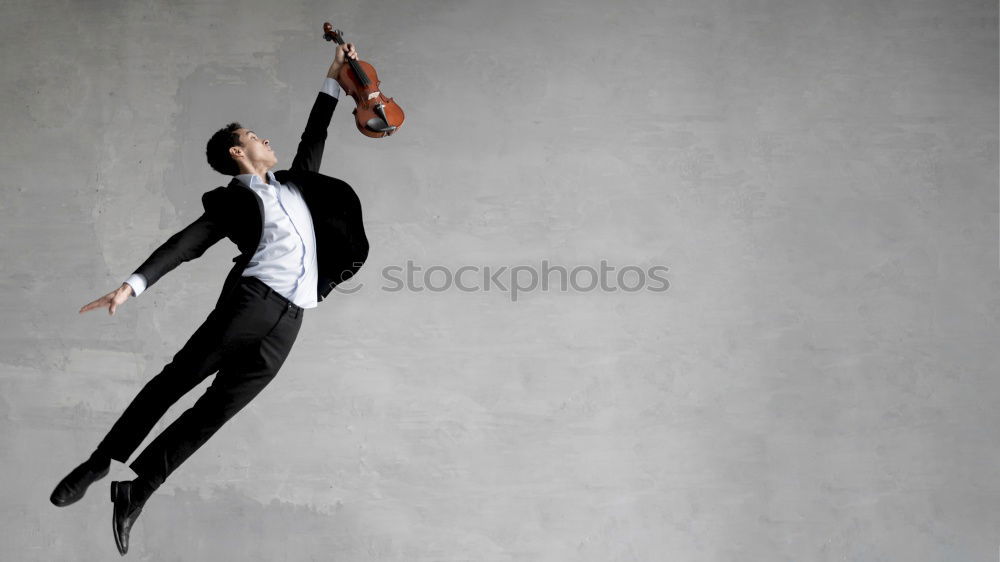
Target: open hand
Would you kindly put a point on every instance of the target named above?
(110, 300)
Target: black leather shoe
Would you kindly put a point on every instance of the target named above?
(126, 511)
(71, 489)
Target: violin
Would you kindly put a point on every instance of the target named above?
(375, 115)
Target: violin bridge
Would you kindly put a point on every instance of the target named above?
(374, 94)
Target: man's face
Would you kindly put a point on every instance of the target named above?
(256, 149)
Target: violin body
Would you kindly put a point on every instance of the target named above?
(376, 115)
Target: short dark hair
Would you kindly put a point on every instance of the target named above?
(218, 147)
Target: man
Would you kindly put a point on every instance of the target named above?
(299, 233)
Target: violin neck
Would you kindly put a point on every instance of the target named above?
(358, 71)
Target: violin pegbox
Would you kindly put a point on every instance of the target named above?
(331, 34)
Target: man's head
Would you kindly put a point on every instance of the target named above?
(234, 150)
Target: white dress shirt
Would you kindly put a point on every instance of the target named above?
(286, 256)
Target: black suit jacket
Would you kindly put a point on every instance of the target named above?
(235, 212)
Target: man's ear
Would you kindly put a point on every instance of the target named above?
(236, 151)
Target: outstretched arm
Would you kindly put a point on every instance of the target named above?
(310, 150)
(186, 245)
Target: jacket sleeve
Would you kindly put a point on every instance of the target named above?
(310, 150)
(186, 245)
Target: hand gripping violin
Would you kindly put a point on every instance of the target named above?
(376, 115)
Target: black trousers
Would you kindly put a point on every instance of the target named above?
(246, 338)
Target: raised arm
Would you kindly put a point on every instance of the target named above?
(309, 153)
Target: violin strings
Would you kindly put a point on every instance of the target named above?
(362, 77)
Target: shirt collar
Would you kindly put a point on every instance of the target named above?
(250, 180)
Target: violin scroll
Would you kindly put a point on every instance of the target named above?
(331, 34)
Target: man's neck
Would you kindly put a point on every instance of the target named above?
(260, 172)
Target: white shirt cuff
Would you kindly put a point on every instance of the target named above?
(331, 88)
(137, 282)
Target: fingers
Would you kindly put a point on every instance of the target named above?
(92, 305)
(121, 295)
(107, 299)
(345, 52)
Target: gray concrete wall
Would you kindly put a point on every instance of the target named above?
(819, 382)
